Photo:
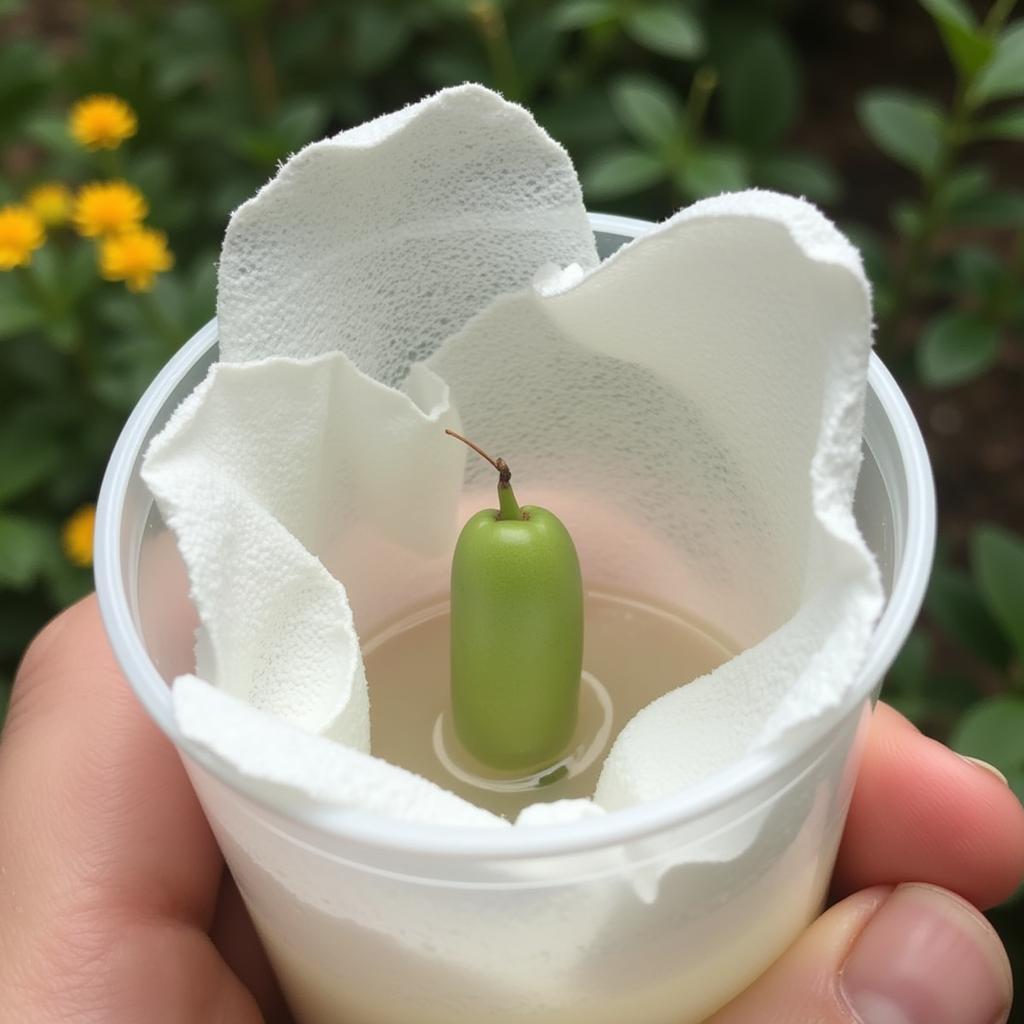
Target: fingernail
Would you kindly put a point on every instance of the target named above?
(991, 768)
(925, 958)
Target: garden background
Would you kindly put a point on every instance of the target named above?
(903, 121)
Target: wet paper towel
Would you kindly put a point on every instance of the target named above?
(691, 408)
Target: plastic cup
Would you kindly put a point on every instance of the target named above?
(659, 913)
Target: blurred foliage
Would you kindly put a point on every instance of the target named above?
(974, 295)
(960, 675)
(965, 680)
(659, 102)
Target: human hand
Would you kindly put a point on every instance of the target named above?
(929, 837)
(115, 906)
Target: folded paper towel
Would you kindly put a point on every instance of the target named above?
(691, 407)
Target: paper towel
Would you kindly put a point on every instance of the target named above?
(691, 409)
(386, 239)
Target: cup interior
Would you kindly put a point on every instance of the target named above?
(143, 587)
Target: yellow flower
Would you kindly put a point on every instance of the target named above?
(102, 122)
(76, 537)
(51, 203)
(135, 257)
(21, 232)
(107, 207)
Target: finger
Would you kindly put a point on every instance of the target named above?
(920, 811)
(107, 862)
(914, 955)
(99, 794)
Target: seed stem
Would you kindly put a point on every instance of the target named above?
(505, 474)
(509, 507)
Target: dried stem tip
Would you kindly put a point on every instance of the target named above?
(504, 473)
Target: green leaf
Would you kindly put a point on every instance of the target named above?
(24, 463)
(128, 364)
(1007, 125)
(47, 266)
(997, 558)
(180, 69)
(27, 72)
(301, 122)
(801, 175)
(668, 29)
(166, 308)
(965, 186)
(711, 171)
(50, 131)
(955, 603)
(968, 47)
(969, 51)
(621, 172)
(80, 273)
(761, 90)
(647, 108)
(62, 333)
(953, 12)
(536, 50)
(123, 313)
(992, 731)
(576, 14)
(26, 547)
(905, 127)
(1004, 73)
(996, 208)
(956, 348)
(978, 271)
(377, 35)
(18, 317)
(153, 173)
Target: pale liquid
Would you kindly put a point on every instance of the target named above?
(633, 652)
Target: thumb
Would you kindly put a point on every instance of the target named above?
(913, 955)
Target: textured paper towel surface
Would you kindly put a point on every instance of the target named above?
(691, 409)
(254, 473)
(385, 240)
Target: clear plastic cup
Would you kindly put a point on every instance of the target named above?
(655, 914)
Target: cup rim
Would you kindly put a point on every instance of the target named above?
(716, 792)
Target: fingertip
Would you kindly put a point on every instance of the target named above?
(911, 953)
(927, 955)
(921, 811)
